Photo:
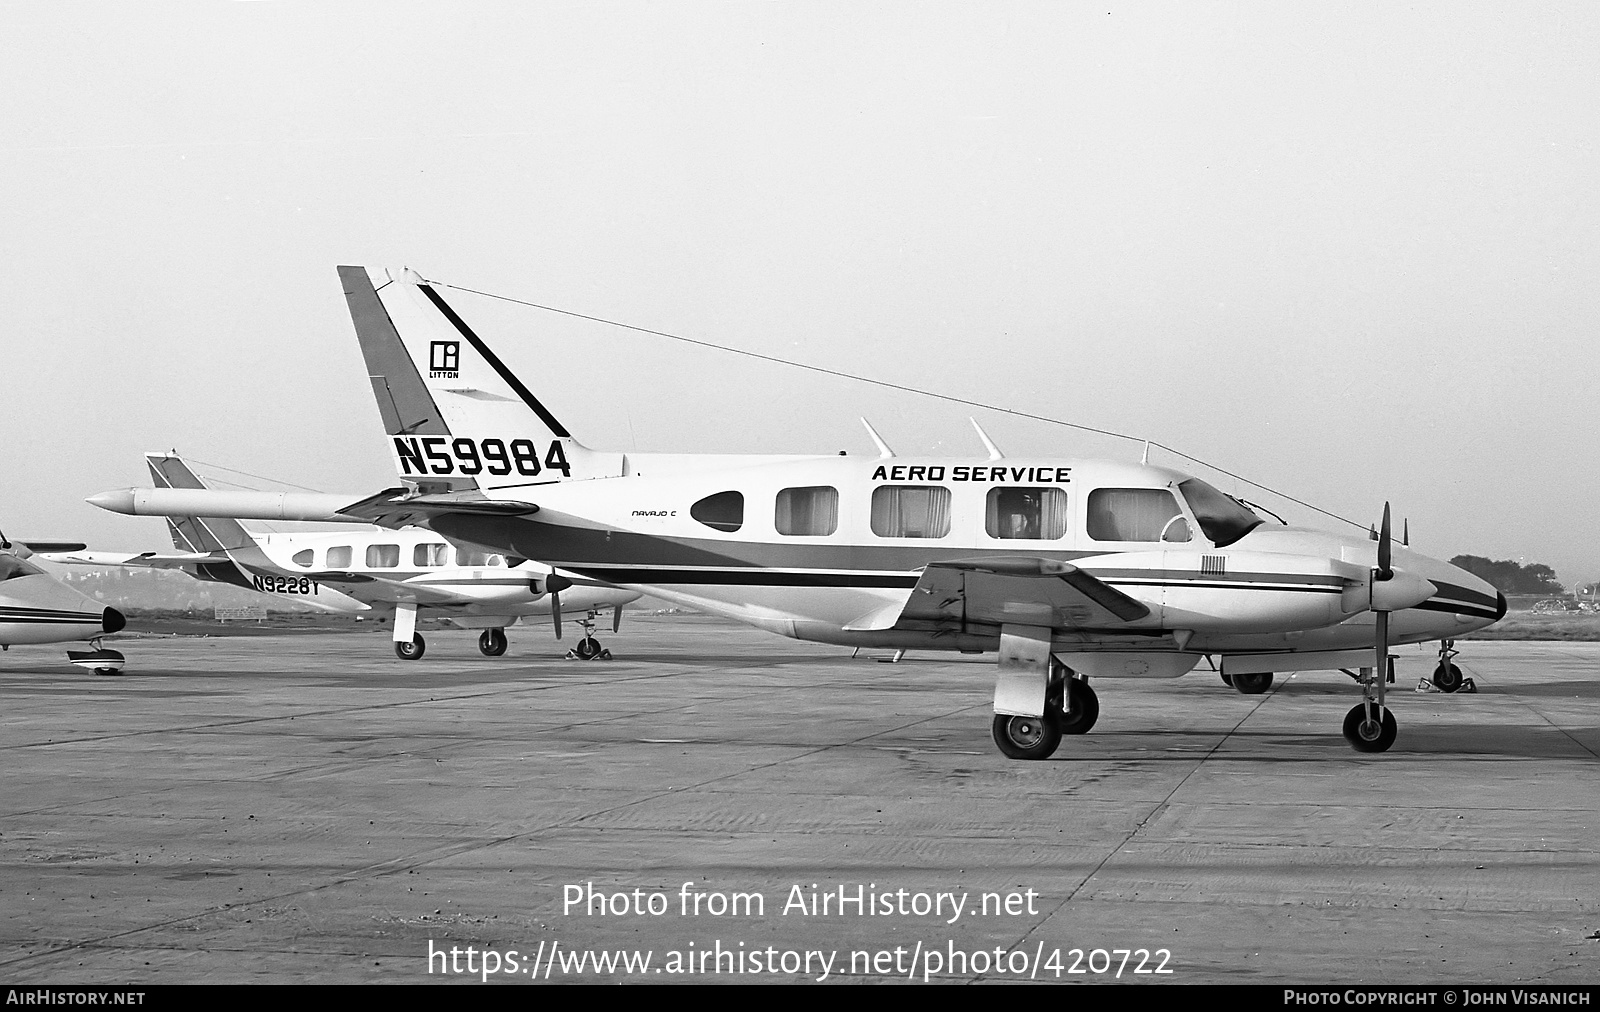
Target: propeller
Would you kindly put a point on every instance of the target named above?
(554, 584)
(1383, 574)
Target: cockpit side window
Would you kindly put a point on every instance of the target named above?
(1222, 518)
(1136, 514)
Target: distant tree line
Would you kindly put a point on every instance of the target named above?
(1511, 578)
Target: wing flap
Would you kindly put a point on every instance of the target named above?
(1007, 591)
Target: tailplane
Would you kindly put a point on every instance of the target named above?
(457, 418)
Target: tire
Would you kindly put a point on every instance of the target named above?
(492, 642)
(1083, 708)
(1253, 684)
(1447, 677)
(587, 649)
(1227, 680)
(1025, 737)
(1361, 736)
(411, 651)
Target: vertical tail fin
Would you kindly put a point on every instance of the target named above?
(203, 534)
(457, 418)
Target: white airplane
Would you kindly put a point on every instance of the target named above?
(37, 608)
(403, 571)
(1068, 568)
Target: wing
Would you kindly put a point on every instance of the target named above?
(376, 588)
(1026, 591)
(398, 507)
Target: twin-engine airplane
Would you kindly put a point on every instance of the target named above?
(1069, 569)
(403, 571)
(37, 608)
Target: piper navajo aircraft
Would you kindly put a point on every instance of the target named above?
(404, 571)
(37, 608)
(1068, 568)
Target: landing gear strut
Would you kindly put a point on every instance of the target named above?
(588, 648)
(1082, 706)
(492, 642)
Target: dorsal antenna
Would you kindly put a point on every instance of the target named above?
(988, 444)
(877, 440)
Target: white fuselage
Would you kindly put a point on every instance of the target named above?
(821, 547)
(382, 568)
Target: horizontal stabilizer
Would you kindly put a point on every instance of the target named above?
(146, 560)
(399, 507)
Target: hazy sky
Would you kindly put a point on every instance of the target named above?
(1348, 250)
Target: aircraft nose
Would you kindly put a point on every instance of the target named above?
(1500, 606)
(113, 620)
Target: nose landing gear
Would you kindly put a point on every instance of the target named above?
(588, 648)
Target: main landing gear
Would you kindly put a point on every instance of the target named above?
(589, 648)
(492, 642)
(411, 649)
(1071, 707)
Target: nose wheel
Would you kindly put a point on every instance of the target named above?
(588, 648)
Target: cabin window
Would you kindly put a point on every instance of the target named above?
(1136, 514)
(467, 557)
(339, 558)
(910, 511)
(811, 511)
(430, 555)
(1037, 514)
(723, 511)
(383, 556)
(303, 558)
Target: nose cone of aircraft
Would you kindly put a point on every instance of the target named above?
(113, 620)
(117, 500)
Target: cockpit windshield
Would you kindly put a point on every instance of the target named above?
(1223, 519)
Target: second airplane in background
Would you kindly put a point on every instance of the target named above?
(364, 570)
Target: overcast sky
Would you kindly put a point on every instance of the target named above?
(1348, 250)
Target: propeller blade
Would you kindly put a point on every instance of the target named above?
(616, 617)
(554, 584)
(1385, 544)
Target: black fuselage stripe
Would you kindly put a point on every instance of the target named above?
(506, 374)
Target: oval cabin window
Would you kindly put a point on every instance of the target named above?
(723, 511)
